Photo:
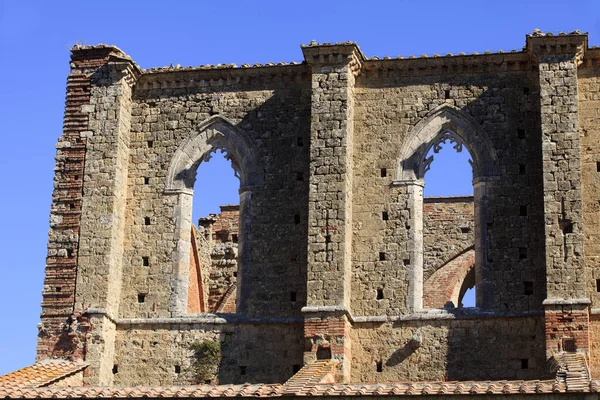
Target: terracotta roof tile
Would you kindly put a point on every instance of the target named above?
(40, 374)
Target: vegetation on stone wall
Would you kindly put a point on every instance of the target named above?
(205, 360)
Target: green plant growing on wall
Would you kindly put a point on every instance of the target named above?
(205, 359)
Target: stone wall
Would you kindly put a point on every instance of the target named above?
(335, 240)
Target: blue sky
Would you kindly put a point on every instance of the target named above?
(35, 37)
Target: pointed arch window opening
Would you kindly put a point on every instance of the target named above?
(449, 141)
(216, 134)
(438, 126)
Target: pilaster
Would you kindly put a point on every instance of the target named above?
(103, 206)
(566, 305)
(334, 68)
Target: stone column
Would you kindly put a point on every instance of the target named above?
(334, 68)
(484, 274)
(181, 256)
(103, 208)
(566, 305)
(414, 194)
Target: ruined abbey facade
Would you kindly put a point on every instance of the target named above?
(333, 253)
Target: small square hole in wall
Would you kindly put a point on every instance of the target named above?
(385, 216)
(146, 220)
(115, 369)
(328, 239)
(178, 369)
(146, 180)
(521, 133)
(299, 176)
(293, 297)
(70, 253)
(146, 261)
(379, 366)
(300, 141)
(406, 261)
(598, 285)
(528, 288)
(379, 294)
(383, 172)
(57, 289)
(446, 94)
(76, 177)
(150, 144)
(523, 211)
(242, 370)
(597, 166)
(524, 363)
(526, 91)
(296, 368)
(465, 229)
(297, 219)
(522, 253)
(71, 206)
(381, 256)
(234, 238)
(522, 169)
(141, 298)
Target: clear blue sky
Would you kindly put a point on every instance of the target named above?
(35, 37)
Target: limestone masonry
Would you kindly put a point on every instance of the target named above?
(333, 269)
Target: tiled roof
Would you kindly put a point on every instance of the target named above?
(309, 376)
(28, 383)
(39, 375)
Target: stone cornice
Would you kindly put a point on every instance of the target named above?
(347, 53)
(539, 44)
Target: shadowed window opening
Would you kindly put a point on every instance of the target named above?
(568, 345)
(522, 169)
(146, 180)
(214, 259)
(379, 366)
(383, 172)
(297, 219)
(521, 133)
(115, 369)
(150, 144)
(300, 141)
(384, 216)
(526, 91)
(381, 256)
(296, 368)
(293, 297)
(141, 298)
(146, 220)
(243, 370)
(178, 369)
(522, 253)
(323, 353)
(523, 211)
(528, 288)
(597, 285)
(299, 176)
(379, 294)
(524, 363)
(146, 261)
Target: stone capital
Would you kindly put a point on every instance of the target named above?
(541, 44)
(336, 54)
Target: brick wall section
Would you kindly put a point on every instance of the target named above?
(564, 324)
(63, 242)
(448, 229)
(446, 283)
(332, 334)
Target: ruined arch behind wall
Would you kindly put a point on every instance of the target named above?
(450, 282)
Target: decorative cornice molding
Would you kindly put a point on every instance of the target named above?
(347, 53)
(539, 44)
